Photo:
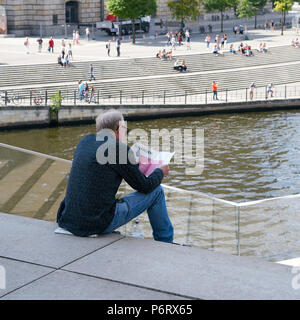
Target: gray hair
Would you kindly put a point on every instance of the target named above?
(109, 120)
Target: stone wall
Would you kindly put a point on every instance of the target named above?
(13, 117)
(26, 16)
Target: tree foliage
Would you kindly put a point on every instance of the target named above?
(221, 6)
(184, 9)
(132, 9)
(283, 6)
(249, 8)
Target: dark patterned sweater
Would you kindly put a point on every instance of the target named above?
(89, 204)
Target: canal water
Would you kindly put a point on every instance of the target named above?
(247, 156)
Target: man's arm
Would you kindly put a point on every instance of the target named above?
(131, 173)
(136, 179)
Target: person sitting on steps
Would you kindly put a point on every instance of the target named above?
(180, 65)
(90, 206)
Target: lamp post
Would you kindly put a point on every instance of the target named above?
(66, 35)
(41, 30)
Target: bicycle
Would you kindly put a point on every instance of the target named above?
(5, 99)
(37, 98)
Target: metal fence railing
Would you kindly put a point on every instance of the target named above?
(71, 97)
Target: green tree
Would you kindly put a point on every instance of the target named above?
(132, 9)
(184, 9)
(283, 6)
(220, 5)
(249, 8)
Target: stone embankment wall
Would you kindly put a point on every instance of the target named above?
(14, 117)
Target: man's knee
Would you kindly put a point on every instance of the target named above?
(158, 190)
(158, 193)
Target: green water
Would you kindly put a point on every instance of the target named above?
(247, 156)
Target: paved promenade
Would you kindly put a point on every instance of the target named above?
(40, 264)
(13, 51)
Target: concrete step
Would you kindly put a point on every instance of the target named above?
(126, 68)
(45, 265)
(177, 85)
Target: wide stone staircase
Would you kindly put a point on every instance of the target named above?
(133, 78)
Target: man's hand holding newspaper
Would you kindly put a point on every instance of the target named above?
(165, 169)
(149, 159)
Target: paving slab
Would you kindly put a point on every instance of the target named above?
(63, 285)
(13, 50)
(18, 274)
(34, 241)
(190, 272)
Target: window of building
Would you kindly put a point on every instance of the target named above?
(54, 19)
(72, 12)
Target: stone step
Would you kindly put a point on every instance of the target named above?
(126, 68)
(177, 85)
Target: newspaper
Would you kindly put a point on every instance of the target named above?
(149, 159)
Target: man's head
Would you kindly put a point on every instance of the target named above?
(113, 120)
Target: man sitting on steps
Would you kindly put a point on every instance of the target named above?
(100, 163)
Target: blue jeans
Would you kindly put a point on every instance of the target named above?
(133, 204)
(80, 95)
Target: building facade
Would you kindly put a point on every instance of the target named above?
(33, 17)
(57, 17)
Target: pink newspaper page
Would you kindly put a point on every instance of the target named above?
(150, 159)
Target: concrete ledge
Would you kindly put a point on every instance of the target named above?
(44, 265)
(34, 241)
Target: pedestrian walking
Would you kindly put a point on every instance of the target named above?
(108, 47)
(26, 44)
(168, 35)
(235, 30)
(224, 40)
(70, 51)
(86, 91)
(51, 45)
(92, 95)
(179, 38)
(251, 90)
(217, 40)
(214, 87)
(74, 36)
(92, 76)
(207, 40)
(87, 33)
(118, 45)
(270, 90)
(40, 44)
(272, 25)
(77, 37)
(188, 39)
(173, 42)
(80, 89)
(63, 48)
